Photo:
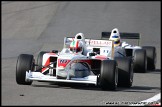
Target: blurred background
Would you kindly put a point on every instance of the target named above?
(32, 26)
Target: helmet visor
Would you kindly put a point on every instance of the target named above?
(115, 36)
(74, 49)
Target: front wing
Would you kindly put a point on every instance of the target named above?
(38, 76)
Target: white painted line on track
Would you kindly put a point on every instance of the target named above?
(154, 98)
(151, 101)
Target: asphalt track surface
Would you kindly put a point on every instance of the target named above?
(31, 27)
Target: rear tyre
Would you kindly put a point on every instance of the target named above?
(108, 78)
(25, 63)
(140, 61)
(125, 71)
(151, 57)
(39, 60)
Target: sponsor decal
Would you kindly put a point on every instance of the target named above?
(100, 43)
(63, 62)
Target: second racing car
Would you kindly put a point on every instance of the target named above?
(144, 57)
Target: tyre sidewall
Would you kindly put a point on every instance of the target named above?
(140, 61)
(24, 63)
(108, 75)
(125, 71)
(151, 57)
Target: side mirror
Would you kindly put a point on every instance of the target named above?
(54, 51)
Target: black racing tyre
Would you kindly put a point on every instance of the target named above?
(151, 57)
(140, 61)
(125, 71)
(108, 78)
(39, 60)
(25, 63)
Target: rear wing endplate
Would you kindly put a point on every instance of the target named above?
(123, 35)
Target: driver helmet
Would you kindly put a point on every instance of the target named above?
(115, 36)
(76, 46)
(79, 36)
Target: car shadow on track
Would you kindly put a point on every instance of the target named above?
(67, 86)
(140, 89)
(156, 71)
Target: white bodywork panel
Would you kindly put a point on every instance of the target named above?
(128, 46)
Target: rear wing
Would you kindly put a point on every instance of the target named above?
(123, 35)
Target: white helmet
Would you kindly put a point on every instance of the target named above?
(115, 36)
(80, 36)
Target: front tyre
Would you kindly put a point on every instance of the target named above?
(108, 75)
(25, 63)
(125, 71)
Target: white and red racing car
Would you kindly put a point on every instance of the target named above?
(96, 64)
